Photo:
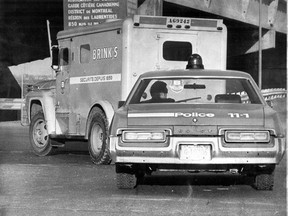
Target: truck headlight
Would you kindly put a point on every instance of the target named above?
(247, 136)
(141, 136)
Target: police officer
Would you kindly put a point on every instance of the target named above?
(158, 93)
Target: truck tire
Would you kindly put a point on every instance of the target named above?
(39, 138)
(264, 181)
(126, 180)
(98, 137)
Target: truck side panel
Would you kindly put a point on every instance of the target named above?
(95, 74)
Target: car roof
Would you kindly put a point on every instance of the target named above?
(196, 73)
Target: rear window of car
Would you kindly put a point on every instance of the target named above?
(192, 90)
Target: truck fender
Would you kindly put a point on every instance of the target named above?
(107, 109)
(48, 109)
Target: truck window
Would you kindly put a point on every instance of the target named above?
(64, 56)
(84, 53)
(176, 50)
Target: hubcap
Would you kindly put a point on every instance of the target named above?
(96, 139)
(40, 134)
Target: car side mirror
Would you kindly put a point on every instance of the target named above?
(121, 103)
(55, 58)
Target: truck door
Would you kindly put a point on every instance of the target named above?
(174, 49)
(62, 78)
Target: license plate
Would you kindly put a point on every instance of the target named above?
(195, 152)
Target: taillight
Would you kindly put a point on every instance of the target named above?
(143, 136)
(247, 136)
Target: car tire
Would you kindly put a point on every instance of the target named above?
(98, 137)
(126, 180)
(264, 181)
(39, 137)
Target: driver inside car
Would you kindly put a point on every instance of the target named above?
(158, 93)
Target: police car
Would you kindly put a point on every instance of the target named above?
(196, 120)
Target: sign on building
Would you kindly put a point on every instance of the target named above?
(81, 13)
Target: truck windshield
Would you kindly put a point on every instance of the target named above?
(191, 90)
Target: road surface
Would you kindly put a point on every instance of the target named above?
(69, 184)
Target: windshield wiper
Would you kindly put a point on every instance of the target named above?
(188, 99)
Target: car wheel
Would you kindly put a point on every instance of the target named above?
(264, 181)
(39, 137)
(126, 180)
(97, 138)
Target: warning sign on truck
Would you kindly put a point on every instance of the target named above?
(80, 13)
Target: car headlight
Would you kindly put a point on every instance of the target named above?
(143, 136)
(247, 136)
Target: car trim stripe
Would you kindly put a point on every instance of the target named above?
(145, 115)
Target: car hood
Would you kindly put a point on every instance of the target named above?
(196, 114)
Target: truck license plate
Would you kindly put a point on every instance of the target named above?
(178, 21)
(195, 152)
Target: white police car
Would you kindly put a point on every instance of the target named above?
(196, 120)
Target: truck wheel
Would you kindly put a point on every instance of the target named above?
(126, 180)
(264, 181)
(39, 138)
(97, 138)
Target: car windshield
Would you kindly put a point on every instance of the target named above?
(195, 90)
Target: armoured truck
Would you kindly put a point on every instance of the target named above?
(97, 66)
